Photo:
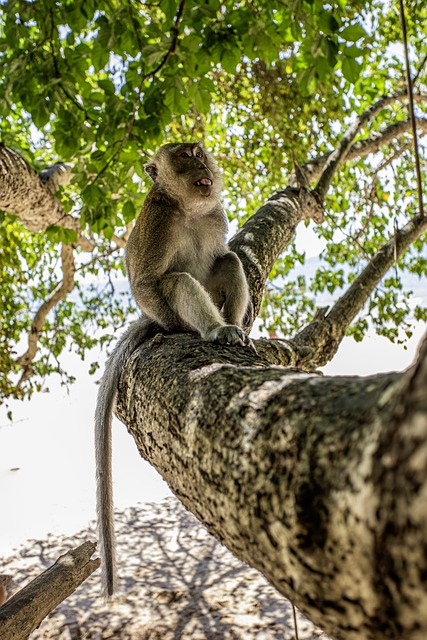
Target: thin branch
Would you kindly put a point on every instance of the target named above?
(411, 109)
(360, 149)
(393, 157)
(58, 294)
(325, 332)
(420, 68)
(337, 157)
(372, 196)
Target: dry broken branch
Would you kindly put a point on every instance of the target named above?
(59, 174)
(24, 611)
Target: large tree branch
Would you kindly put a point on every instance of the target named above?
(264, 236)
(25, 610)
(318, 482)
(23, 193)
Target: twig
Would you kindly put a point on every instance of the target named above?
(295, 621)
(411, 109)
(420, 68)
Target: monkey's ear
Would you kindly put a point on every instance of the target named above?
(151, 170)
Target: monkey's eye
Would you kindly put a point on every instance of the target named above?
(199, 154)
(184, 154)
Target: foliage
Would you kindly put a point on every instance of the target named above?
(101, 84)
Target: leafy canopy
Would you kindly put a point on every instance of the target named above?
(102, 84)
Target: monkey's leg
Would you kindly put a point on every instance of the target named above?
(194, 306)
(228, 288)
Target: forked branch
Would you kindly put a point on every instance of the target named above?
(362, 148)
(337, 157)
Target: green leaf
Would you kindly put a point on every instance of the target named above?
(169, 8)
(107, 86)
(328, 23)
(176, 98)
(128, 211)
(351, 69)
(92, 195)
(353, 51)
(152, 54)
(57, 234)
(201, 96)
(229, 60)
(322, 67)
(40, 114)
(100, 56)
(353, 32)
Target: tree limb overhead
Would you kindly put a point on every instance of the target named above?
(24, 194)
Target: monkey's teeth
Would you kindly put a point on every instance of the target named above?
(207, 182)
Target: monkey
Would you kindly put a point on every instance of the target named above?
(184, 278)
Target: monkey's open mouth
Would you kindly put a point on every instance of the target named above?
(204, 182)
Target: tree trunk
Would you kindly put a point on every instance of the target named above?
(318, 482)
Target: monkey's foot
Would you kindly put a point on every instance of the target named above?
(229, 334)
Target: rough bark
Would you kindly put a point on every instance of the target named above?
(318, 482)
(264, 236)
(24, 611)
(28, 196)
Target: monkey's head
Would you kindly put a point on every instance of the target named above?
(186, 171)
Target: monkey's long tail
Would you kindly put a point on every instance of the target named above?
(107, 393)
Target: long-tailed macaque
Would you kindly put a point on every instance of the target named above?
(183, 277)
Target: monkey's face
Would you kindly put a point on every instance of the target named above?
(191, 164)
(187, 171)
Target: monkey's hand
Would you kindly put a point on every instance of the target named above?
(229, 334)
